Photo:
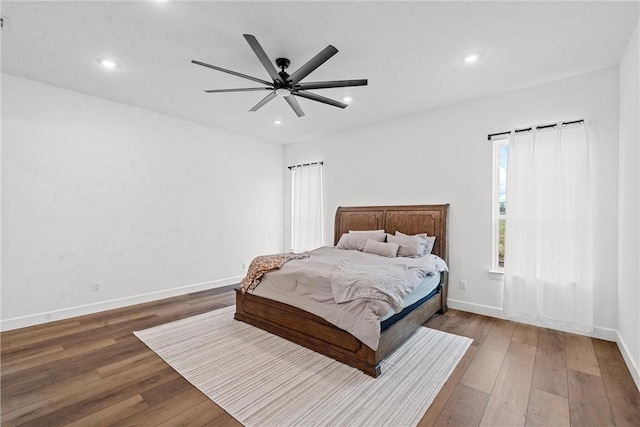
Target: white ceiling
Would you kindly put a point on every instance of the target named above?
(411, 52)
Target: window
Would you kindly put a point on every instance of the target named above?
(306, 207)
(548, 269)
(500, 154)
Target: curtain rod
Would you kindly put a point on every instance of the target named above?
(305, 164)
(554, 125)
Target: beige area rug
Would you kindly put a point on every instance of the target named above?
(264, 380)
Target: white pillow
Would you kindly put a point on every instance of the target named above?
(431, 240)
(358, 241)
(389, 250)
(366, 231)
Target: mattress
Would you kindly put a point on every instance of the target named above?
(427, 286)
(430, 288)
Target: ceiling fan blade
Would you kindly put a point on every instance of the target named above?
(264, 101)
(312, 64)
(255, 79)
(293, 103)
(262, 56)
(246, 89)
(330, 84)
(319, 98)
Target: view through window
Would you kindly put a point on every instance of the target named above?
(501, 151)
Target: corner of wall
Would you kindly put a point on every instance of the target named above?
(628, 236)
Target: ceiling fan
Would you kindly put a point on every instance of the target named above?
(283, 84)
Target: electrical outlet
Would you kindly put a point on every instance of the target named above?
(96, 286)
(463, 285)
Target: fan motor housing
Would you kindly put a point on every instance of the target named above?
(283, 63)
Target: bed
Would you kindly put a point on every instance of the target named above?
(315, 333)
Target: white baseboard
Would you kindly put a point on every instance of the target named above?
(631, 364)
(486, 310)
(81, 310)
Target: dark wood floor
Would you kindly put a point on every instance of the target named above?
(92, 371)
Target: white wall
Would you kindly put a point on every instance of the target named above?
(93, 191)
(629, 208)
(443, 156)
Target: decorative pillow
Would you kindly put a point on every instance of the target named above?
(366, 231)
(358, 241)
(410, 246)
(431, 240)
(390, 250)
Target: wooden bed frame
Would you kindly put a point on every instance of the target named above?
(317, 334)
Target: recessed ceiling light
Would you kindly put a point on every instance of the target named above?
(347, 99)
(277, 122)
(108, 64)
(471, 58)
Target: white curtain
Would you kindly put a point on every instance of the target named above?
(548, 237)
(306, 207)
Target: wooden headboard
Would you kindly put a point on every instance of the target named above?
(430, 219)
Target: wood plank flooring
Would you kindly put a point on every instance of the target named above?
(525, 375)
(92, 371)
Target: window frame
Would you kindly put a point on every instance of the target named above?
(496, 216)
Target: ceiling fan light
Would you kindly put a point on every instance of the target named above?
(283, 92)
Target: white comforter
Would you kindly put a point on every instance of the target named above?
(306, 284)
